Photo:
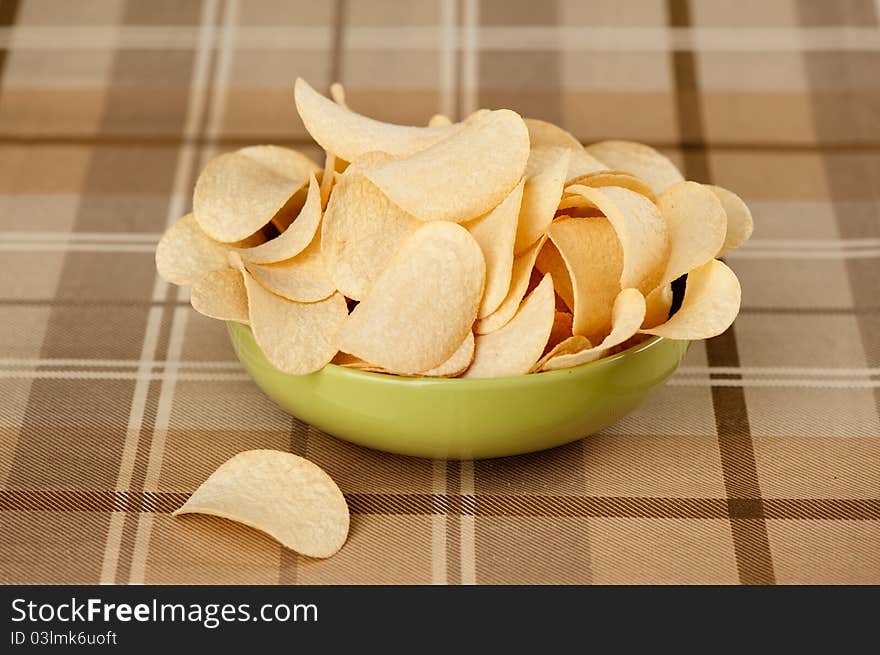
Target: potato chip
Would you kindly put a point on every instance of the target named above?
(640, 228)
(593, 258)
(542, 133)
(583, 163)
(519, 284)
(439, 120)
(696, 223)
(337, 92)
(658, 303)
(457, 363)
(711, 303)
(550, 261)
(562, 323)
(463, 176)
(514, 349)
(236, 195)
(303, 278)
(639, 159)
(221, 294)
(328, 178)
(361, 231)
(295, 337)
(282, 495)
(185, 254)
(543, 189)
(627, 315)
(572, 344)
(421, 307)
(739, 219)
(350, 135)
(286, 162)
(298, 235)
(614, 178)
(495, 232)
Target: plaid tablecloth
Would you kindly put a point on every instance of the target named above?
(759, 462)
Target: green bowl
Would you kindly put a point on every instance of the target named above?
(465, 419)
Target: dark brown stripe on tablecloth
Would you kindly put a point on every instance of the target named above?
(750, 541)
(8, 14)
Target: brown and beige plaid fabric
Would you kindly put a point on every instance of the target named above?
(759, 462)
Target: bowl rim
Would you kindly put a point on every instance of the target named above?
(410, 381)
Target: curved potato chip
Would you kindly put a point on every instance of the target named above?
(439, 120)
(710, 305)
(640, 228)
(642, 161)
(627, 315)
(361, 231)
(295, 337)
(593, 257)
(185, 254)
(515, 348)
(614, 178)
(284, 161)
(696, 223)
(337, 92)
(285, 496)
(221, 295)
(543, 189)
(519, 285)
(658, 303)
(328, 178)
(572, 344)
(561, 331)
(303, 278)
(457, 363)
(298, 235)
(423, 304)
(495, 232)
(350, 135)
(583, 163)
(550, 261)
(462, 176)
(543, 133)
(739, 219)
(236, 195)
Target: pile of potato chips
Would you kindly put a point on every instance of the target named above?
(492, 247)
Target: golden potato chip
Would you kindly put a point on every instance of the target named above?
(285, 496)
(461, 177)
(457, 363)
(286, 162)
(298, 235)
(627, 315)
(593, 257)
(640, 228)
(439, 120)
(542, 133)
(642, 161)
(422, 306)
(739, 219)
(514, 349)
(495, 232)
(185, 254)
(545, 176)
(658, 303)
(583, 163)
(350, 135)
(221, 294)
(295, 337)
(328, 178)
(361, 231)
(337, 92)
(572, 344)
(550, 261)
(711, 303)
(519, 284)
(614, 178)
(696, 223)
(562, 323)
(303, 278)
(236, 195)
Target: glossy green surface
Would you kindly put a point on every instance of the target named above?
(465, 419)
